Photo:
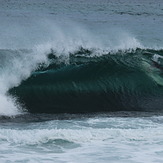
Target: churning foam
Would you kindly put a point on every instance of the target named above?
(80, 136)
(17, 68)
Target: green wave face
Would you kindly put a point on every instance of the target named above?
(129, 80)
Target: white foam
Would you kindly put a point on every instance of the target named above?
(17, 69)
(7, 106)
(81, 136)
(141, 140)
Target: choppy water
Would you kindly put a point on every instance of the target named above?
(86, 57)
(83, 139)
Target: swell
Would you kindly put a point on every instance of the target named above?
(128, 80)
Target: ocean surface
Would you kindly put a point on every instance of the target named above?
(81, 81)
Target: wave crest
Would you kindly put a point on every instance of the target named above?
(114, 81)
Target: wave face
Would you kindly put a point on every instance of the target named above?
(93, 80)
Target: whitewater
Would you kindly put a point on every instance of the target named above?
(81, 81)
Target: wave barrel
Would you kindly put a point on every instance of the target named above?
(112, 82)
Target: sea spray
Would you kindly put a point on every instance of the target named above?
(18, 64)
(121, 81)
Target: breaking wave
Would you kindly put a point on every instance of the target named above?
(68, 69)
(93, 80)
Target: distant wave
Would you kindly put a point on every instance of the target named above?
(88, 80)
